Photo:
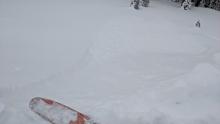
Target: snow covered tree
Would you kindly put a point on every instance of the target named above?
(186, 4)
(136, 4)
(197, 2)
(145, 3)
(206, 3)
(215, 4)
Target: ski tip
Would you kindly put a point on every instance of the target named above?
(36, 100)
(33, 102)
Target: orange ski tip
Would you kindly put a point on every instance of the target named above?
(35, 100)
(48, 101)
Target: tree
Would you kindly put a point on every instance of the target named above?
(136, 4)
(145, 3)
(214, 4)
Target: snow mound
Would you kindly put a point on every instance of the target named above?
(217, 58)
(192, 98)
(1, 107)
(204, 75)
(196, 94)
(15, 116)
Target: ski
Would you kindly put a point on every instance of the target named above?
(57, 113)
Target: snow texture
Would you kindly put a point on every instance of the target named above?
(114, 63)
(217, 58)
(1, 108)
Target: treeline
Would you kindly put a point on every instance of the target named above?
(214, 4)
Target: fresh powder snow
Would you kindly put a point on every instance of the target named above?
(106, 59)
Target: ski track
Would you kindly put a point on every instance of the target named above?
(150, 66)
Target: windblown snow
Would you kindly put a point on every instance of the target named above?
(114, 63)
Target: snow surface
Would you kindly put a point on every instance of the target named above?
(1, 108)
(119, 65)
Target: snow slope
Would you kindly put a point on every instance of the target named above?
(119, 65)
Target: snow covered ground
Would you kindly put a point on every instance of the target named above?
(119, 65)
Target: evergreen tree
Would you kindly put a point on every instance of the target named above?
(145, 3)
(136, 4)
